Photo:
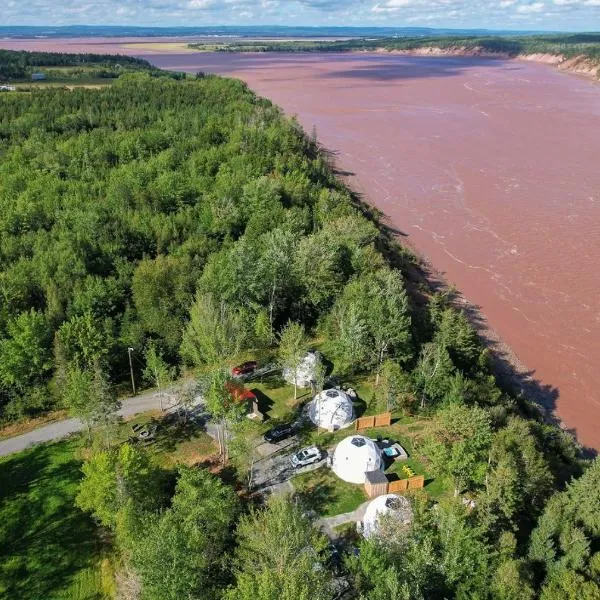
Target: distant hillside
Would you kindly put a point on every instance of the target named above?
(251, 31)
(576, 52)
(567, 45)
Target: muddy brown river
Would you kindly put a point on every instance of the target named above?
(490, 170)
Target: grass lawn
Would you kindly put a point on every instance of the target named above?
(276, 398)
(50, 549)
(325, 493)
(174, 443)
(406, 431)
(364, 387)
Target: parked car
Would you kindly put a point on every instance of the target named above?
(278, 433)
(306, 456)
(244, 369)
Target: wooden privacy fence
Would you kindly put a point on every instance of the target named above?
(401, 485)
(377, 484)
(382, 420)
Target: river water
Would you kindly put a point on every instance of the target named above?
(488, 167)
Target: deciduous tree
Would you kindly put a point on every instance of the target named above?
(459, 443)
(293, 345)
(24, 354)
(280, 555)
(112, 478)
(215, 332)
(157, 371)
(179, 553)
(88, 395)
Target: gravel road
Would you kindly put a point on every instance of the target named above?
(61, 429)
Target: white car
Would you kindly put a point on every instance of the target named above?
(306, 456)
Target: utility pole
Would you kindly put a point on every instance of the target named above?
(129, 351)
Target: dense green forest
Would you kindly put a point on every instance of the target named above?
(122, 206)
(20, 65)
(583, 44)
(189, 220)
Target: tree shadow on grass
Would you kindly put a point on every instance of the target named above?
(387, 463)
(317, 497)
(360, 407)
(46, 540)
(271, 382)
(172, 431)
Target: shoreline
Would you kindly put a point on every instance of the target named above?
(512, 375)
(577, 65)
(145, 46)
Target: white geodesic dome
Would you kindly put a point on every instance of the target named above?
(331, 410)
(354, 456)
(390, 506)
(306, 371)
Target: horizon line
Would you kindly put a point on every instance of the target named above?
(280, 26)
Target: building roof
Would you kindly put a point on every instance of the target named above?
(238, 392)
(390, 506)
(331, 410)
(375, 477)
(354, 456)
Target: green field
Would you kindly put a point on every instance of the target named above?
(327, 494)
(276, 398)
(50, 549)
(174, 443)
(19, 66)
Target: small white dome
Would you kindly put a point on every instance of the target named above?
(306, 371)
(354, 456)
(397, 507)
(331, 410)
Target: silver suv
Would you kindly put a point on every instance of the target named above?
(306, 456)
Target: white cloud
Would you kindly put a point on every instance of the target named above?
(391, 6)
(201, 4)
(498, 14)
(534, 7)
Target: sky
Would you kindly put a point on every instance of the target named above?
(565, 15)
